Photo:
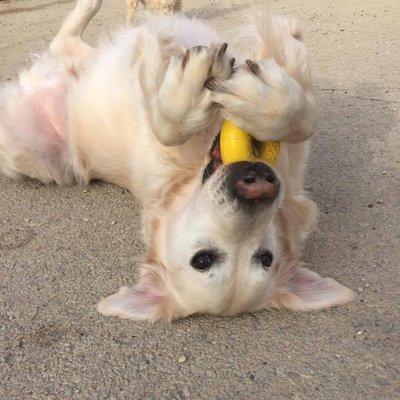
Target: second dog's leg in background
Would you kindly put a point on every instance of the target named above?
(131, 6)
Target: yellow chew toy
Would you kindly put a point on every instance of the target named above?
(237, 145)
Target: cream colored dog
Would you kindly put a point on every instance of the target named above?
(158, 6)
(143, 111)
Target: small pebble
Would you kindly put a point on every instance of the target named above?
(112, 222)
(359, 333)
(379, 201)
(76, 379)
(384, 173)
(252, 377)
(85, 219)
(370, 205)
(143, 366)
(84, 190)
(360, 289)
(27, 220)
(367, 284)
(182, 359)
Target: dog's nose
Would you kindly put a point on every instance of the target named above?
(253, 181)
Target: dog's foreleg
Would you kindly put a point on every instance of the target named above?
(268, 102)
(272, 96)
(184, 105)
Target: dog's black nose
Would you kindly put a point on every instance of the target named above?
(252, 182)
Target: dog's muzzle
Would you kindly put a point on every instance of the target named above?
(252, 182)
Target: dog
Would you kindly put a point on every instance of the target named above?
(159, 6)
(143, 111)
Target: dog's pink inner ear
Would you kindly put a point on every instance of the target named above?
(305, 290)
(148, 300)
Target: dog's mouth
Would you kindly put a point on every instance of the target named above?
(216, 160)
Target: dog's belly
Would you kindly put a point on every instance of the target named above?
(39, 121)
(34, 131)
(103, 131)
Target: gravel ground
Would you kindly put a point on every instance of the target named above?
(62, 249)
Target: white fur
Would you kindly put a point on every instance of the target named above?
(140, 116)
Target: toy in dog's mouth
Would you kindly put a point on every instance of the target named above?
(249, 182)
(236, 145)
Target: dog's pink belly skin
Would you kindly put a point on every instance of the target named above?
(39, 121)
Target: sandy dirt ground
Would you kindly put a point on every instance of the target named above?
(63, 248)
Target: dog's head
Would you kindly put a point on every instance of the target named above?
(226, 245)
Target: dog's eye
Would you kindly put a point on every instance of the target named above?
(266, 258)
(203, 260)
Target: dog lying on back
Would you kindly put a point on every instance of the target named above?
(143, 111)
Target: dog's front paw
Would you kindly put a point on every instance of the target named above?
(188, 76)
(265, 100)
(221, 63)
(184, 104)
(206, 65)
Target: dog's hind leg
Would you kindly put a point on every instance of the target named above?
(34, 131)
(68, 46)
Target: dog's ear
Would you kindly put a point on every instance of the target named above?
(148, 300)
(300, 289)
